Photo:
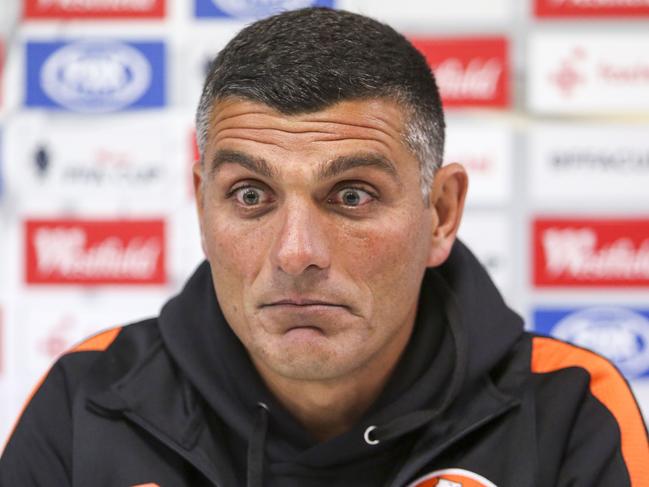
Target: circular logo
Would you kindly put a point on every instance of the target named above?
(259, 8)
(452, 477)
(95, 76)
(619, 334)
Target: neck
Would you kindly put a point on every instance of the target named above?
(328, 408)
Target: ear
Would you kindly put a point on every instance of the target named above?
(199, 189)
(447, 200)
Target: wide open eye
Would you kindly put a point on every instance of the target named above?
(352, 197)
(251, 196)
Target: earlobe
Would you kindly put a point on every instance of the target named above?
(447, 199)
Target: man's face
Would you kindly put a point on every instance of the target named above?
(316, 232)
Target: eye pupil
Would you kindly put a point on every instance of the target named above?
(251, 197)
(351, 198)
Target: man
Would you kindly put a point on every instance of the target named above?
(336, 335)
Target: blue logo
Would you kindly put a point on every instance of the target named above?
(95, 76)
(618, 333)
(252, 9)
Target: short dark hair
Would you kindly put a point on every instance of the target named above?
(307, 60)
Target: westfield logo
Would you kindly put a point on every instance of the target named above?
(95, 252)
(470, 72)
(595, 253)
(478, 79)
(575, 253)
(92, 9)
(591, 8)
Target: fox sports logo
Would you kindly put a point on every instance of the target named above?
(620, 334)
(96, 76)
(259, 8)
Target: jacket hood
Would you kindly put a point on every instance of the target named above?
(462, 332)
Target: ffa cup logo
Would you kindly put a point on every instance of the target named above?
(452, 477)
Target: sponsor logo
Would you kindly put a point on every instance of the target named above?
(95, 252)
(252, 8)
(571, 73)
(488, 160)
(470, 72)
(591, 8)
(589, 72)
(452, 477)
(95, 76)
(591, 252)
(108, 167)
(620, 160)
(568, 76)
(93, 9)
(59, 337)
(608, 157)
(620, 334)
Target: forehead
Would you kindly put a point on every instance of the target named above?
(374, 125)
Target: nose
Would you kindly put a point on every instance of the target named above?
(302, 242)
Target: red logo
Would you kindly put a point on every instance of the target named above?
(470, 72)
(95, 252)
(569, 75)
(591, 253)
(452, 477)
(591, 8)
(94, 9)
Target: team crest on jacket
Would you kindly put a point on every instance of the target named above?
(452, 477)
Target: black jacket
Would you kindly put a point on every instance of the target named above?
(476, 400)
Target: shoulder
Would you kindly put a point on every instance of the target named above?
(121, 346)
(603, 381)
(582, 398)
(40, 446)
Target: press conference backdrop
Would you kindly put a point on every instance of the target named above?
(548, 109)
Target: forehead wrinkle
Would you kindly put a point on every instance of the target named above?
(292, 125)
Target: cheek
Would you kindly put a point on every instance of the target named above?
(389, 257)
(235, 251)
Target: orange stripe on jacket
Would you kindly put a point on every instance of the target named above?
(96, 343)
(608, 386)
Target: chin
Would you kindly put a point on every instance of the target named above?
(307, 363)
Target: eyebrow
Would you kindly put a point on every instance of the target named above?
(342, 164)
(325, 170)
(255, 164)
